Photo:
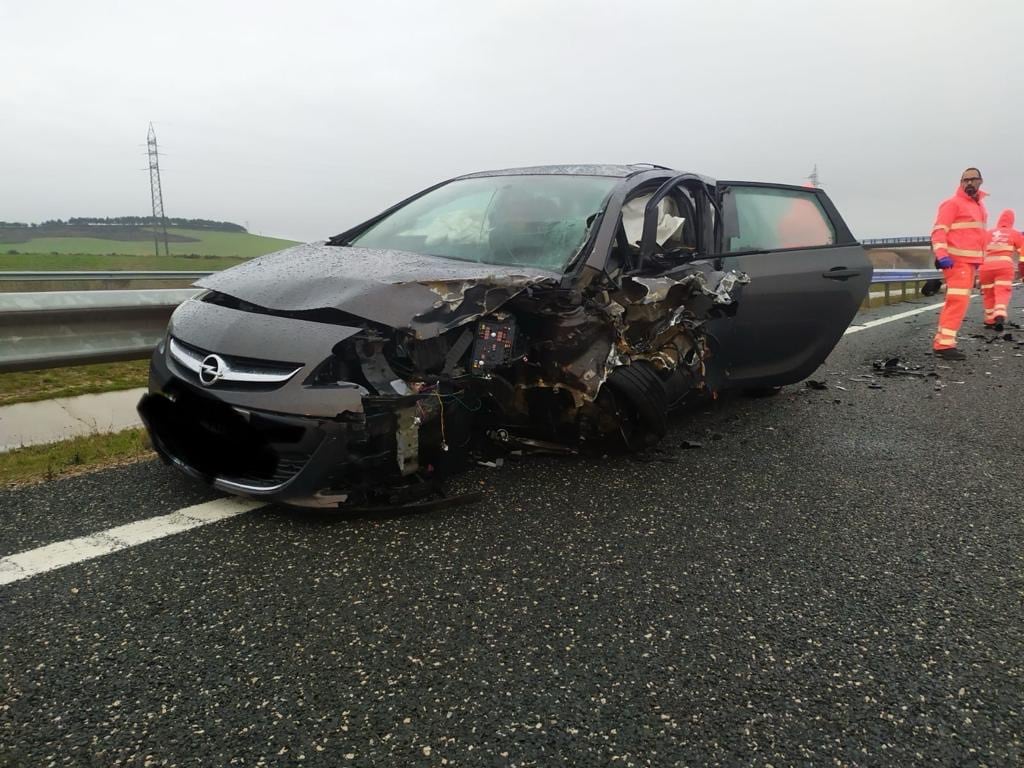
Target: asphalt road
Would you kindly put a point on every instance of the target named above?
(835, 577)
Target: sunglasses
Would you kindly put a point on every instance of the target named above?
(972, 178)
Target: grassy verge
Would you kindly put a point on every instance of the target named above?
(39, 463)
(42, 262)
(204, 242)
(68, 382)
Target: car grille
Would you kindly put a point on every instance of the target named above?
(229, 371)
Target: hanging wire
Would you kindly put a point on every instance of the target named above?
(440, 400)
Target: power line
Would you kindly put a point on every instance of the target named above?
(156, 193)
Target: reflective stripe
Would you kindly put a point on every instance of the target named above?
(967, 225)
(999, 310)
(958, 291)
(986, 286)
(965, 252)
(1006, 283)
(1000, 247)
(943, 227)
(947, 332)
(993, 259)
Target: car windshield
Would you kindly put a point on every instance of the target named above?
(534, 221)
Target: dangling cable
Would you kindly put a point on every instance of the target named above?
(440, 401)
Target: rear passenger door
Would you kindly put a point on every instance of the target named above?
(808, 277)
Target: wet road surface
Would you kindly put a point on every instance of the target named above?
(834, 577)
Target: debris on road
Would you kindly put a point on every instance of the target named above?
(815, 384)
(893, 366)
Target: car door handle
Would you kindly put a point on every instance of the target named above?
(841, 273)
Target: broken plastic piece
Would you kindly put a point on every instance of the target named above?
(893, 366)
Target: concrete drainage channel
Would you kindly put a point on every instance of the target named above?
(50, 421)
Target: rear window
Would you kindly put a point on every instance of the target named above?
(770, 219)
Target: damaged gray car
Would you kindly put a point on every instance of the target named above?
(539, 308)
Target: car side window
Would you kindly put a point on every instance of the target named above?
(765, 218)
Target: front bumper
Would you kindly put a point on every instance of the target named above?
(299, 460)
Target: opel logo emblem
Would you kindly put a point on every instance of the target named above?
(211, 370)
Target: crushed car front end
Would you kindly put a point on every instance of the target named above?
(225, 412)
(352, 371)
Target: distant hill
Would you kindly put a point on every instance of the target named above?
(110, 226)
(133, 236)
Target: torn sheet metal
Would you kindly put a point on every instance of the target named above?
(388, 287)
(721, 286)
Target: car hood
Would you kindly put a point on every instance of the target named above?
(425, 294)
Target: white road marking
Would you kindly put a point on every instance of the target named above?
(52, 556)
(892, 317)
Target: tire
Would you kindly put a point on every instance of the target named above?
(642, 401)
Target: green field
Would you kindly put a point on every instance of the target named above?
(208, 243)
(85, 262)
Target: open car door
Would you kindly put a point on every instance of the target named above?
(808, 277)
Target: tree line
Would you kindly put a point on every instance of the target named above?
(123, 221)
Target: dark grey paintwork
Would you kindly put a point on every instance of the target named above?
(796, 307)
(383, 286)
(617, 171)
(246, 334)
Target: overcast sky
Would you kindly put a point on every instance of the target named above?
(303, 118)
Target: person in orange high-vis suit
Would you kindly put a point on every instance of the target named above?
(958, 240)
(996, 274)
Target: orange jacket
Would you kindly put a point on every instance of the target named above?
(960, 228)
(1004, 240)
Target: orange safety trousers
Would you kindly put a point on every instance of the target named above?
(959, 281)
(996, 279)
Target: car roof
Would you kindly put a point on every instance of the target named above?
(615, 171)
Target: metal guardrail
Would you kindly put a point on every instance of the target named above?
(905, 275)
(48, 329)
(58, 328)
(41, 276)
(897, 241)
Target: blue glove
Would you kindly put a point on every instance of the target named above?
(944, 263)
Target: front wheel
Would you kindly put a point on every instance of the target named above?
(641, 402)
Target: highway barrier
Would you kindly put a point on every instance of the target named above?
(48, 329)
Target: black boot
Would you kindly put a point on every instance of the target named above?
(950, 354)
